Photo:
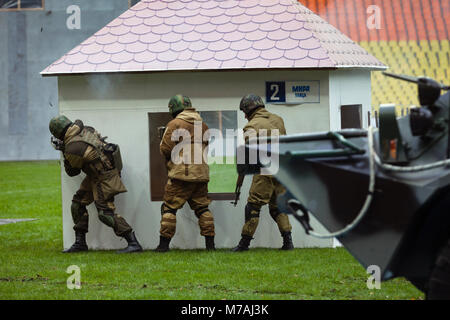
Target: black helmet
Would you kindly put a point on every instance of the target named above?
(250, 103)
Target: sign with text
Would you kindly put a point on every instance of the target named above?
(275, 92)
(293, 92)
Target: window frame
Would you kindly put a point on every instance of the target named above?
(153, 167)
(19, 8)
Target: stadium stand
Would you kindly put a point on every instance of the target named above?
(412, 38)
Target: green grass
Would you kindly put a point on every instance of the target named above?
(222, 174)
(33, 267)
(222, 178)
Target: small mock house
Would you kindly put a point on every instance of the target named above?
(121, 78)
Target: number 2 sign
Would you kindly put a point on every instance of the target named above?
(275, 92)
(293, 92)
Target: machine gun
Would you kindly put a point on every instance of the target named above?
(383, 193)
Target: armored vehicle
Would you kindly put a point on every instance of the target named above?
(384, 193)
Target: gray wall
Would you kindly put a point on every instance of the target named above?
(29, 42)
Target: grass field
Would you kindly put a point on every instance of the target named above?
(33, 267)
(223, 175)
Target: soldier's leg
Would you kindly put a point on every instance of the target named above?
(258, 196)
(106, 214)
(281, 219)
(248, 230)
(80, 217)
(104, 202)
(175, 197)
(252, 212)
(168, 221)
(199, 202)
(82, 198)
(103, 192)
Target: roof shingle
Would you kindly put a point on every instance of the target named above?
(207, 35)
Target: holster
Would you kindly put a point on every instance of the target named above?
(113, 152)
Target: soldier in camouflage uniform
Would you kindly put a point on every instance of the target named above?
(188, 182)
(264, 189)
(85, 150)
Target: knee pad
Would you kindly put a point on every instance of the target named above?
(107, 217)
(274, 213)
(166, 209)
(77, 210)
(206, 224)
(283, 223)
(250, 226)
(200, 211)
(251, 211)
(168, 225)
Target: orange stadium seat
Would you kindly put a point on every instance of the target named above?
(413, 40)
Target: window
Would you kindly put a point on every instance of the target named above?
(221, 154)
(351, 116)
(222, 149)
(15, 5)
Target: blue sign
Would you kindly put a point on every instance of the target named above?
(303, 91)
(293, 92)
(275, 92)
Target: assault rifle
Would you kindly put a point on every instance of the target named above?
(237, 192)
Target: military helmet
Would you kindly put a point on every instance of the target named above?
(57, 126)
(250, 103)
(178, 103)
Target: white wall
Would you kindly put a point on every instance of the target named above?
(117, 106)
(348, 87)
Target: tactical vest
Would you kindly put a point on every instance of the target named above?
(95, 140)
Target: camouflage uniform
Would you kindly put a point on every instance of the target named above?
(101, 184)
(84, 151)
(188, 182)
(264, 189)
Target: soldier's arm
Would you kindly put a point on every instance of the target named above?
(71, 171)
(167, 144)
(249, 132)
(76, 155)
(283, 129)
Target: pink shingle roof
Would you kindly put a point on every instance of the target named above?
(205, 34)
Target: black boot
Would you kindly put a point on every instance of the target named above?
(80, 243)
(287, 241)
(243, 244)
(209, 242)
(163, 244)
(133, 244)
